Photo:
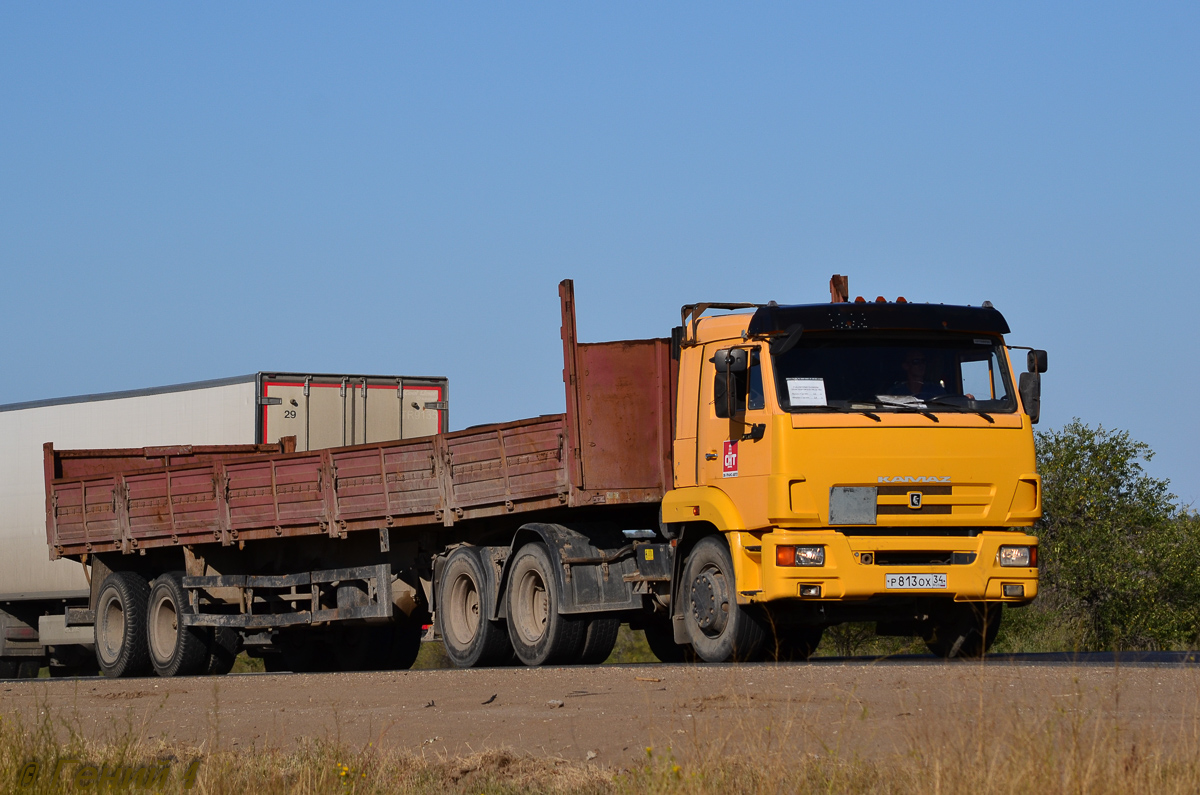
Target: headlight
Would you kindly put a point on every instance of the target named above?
(799, 556)
(1018, 557)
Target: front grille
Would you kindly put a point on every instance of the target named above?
(901, 491)
(884, 510)
(922, 558)
(965, 532)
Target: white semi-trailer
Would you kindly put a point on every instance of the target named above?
(319, 410)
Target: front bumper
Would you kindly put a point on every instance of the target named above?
(847, 576)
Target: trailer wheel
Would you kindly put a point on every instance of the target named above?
(20, 668)
(540, 634)
(405, 645)
(305, 653)
(390, 647)
(965, 630)
(120, 629)
(71, 661)
(471, 640)
(175, 649)
(599, 640)
(223, 647)
(719, 628)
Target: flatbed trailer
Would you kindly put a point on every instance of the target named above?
(538, 538)
(117, 429)
(607, 457)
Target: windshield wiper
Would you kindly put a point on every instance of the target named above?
(914, 406)
(944, 399)
(850, 410)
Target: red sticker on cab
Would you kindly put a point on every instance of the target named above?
(729, 465)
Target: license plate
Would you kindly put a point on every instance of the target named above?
(909, 582)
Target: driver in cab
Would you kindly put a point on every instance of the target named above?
(914, 383)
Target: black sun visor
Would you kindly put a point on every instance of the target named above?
(863, 316)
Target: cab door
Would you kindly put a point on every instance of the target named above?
(736, 450)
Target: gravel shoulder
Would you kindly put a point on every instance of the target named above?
(613, 713)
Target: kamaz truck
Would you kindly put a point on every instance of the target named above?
(734, 488)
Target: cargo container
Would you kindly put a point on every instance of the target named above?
(317, 410)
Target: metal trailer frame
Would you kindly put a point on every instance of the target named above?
(611, 450)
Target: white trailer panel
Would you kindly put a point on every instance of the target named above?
(322, 410)
(212, 412)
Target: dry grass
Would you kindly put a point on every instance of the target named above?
(987, 745)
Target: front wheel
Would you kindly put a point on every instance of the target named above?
(965, 630)
(794, 644)
(660, 637)
(540, 635)
(719, 628)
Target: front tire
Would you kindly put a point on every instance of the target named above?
(719, 628)
(965, 630)
(470, 638)
(540, 635)
(794, 644)
(660, 637)
(120, 629)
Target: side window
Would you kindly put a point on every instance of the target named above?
(757, 400)
(977, 380)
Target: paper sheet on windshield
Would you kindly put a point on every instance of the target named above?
(806, 391)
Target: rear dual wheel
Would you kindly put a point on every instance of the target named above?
(175, 649)
(540, 634)
(19, 668)
(139, 629)
(472, 640)
(534, 631)
(122, 606)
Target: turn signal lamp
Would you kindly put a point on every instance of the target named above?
(799, 556)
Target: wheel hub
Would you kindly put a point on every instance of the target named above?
(710, 601)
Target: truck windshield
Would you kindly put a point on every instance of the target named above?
(894, 372)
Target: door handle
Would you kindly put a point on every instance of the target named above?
(710, 456)
(756, 432)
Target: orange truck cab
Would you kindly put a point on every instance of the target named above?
(864, 461)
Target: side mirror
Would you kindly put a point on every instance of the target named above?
(731, 360)
(729, 388)
(1031, 392)
(1035, 362)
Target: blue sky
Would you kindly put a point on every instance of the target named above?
(190, 191)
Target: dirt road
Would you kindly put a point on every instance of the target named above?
(612, 713)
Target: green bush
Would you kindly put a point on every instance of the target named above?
(1120, 559)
